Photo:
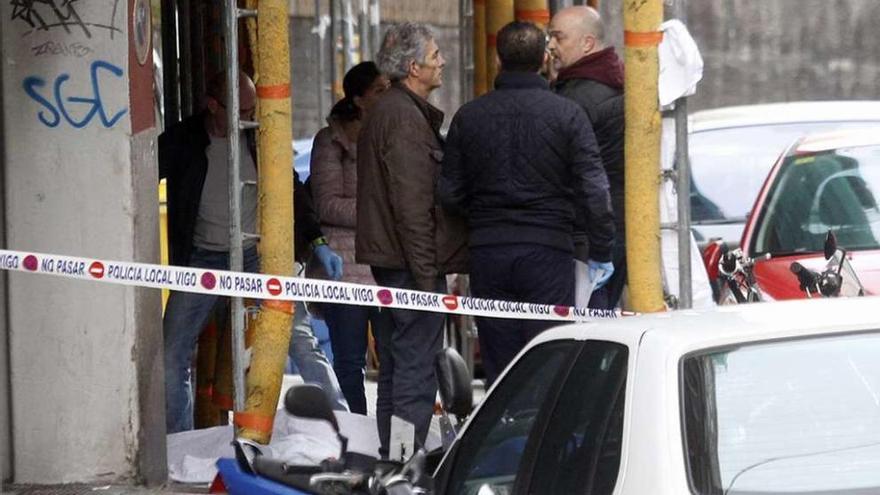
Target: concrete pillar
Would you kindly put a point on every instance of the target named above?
(80, 167)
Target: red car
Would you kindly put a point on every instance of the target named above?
(822, 182)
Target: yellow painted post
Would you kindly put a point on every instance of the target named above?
(535, 11)
(480, 84)
(641, 21)
(498, 14)
(271, 335)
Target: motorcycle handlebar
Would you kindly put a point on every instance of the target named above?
(808, 279)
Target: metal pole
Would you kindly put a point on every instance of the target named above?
(320, 55)
(366, 48)
(186, 68)
(169, 63)
(235, 247)
(683, 185)
(466, 49)
(375, 26)
(197, 47)
(334, 45)
(348, 35)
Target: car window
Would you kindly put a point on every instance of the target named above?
(813, 194)
(492, 447)
(581, 448)
(794, 417)
(729, 166)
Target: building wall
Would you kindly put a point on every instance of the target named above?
(80, 180)
(431, 11)
(785, 50)
(442, 17)
(754, 52)
(303, 75)
(779, 50)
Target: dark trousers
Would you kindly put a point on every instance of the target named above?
(407, 384)
(348, 338)
(529, 273)
(608, 296)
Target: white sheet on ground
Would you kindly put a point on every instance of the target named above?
(192, 455)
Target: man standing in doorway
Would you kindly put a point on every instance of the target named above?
(405, 239)
(520, 162)
(193, 156)
(591, 74)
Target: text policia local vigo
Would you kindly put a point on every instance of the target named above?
(307, 290)
(264, 286)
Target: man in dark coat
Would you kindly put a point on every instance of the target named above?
(520, 162)
(193, 157)
(591, 74)
(407, 241)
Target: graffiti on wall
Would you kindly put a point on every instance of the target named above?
(51, 15)
(75, 49)
(77, 110)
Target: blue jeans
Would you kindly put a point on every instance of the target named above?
(348, 339)
(185, 317)
(308, 357)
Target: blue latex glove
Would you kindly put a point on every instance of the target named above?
(331, 261)
(599, 272)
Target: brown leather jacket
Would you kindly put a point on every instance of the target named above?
(400, 224)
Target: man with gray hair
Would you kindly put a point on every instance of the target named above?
(407, 241)
(591, 74)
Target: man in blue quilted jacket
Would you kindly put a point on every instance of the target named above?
(519, 163)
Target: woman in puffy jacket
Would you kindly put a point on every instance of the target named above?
(334, 190)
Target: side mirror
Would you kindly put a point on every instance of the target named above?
(454, 381)
(830, 245)
(309, 401)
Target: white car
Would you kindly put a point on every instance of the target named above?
(751, 399)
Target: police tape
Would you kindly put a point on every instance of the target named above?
(274, 287)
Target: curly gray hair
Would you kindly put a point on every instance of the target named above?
(403, 44)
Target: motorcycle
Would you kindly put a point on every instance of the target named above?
(836, 280)
(253, 473)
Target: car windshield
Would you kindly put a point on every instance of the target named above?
(794, 417)
(815, 193)
(728, 166)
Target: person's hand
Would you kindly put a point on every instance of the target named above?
(599, 272)
(331, 261)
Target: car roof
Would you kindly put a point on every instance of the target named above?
(785, 113)
(824, 141)
(730, 324)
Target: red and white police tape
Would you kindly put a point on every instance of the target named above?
(262, 286)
